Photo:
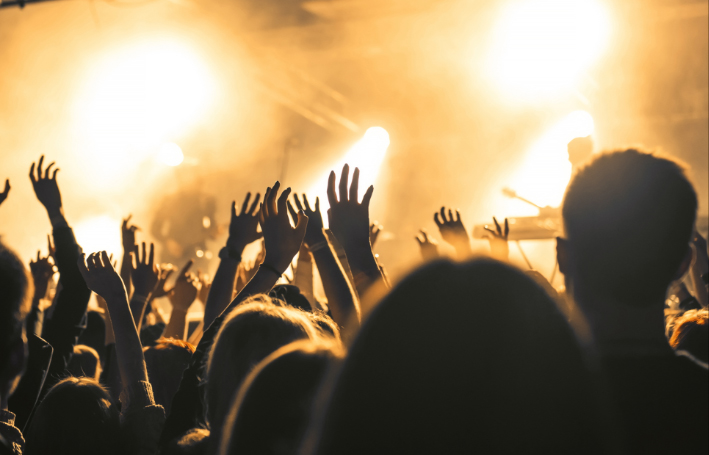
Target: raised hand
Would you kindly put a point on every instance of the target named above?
(185, 290)
(374, 230)
(145, 274)
(46, 188)
(243, 226)
(205, 285)
(281, 240)
(160, 288)
(4, 194)
(42, 271)
(128, 235)
(453, 231)
(499, 249)
(101, 277)
(349, 219)
(314, 233)
(429, 248)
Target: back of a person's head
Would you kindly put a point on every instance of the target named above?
(691, 334)
(461, 358)
(271, 411)
(76, 417)
(166, 361)
(628, 218)
(248, 334)
(85, 362)
(15, 299)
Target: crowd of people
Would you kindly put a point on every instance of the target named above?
(462, 355)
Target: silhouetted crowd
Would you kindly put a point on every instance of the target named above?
(471, 355)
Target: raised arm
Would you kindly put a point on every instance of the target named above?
(340, 296)
(145, 275)
(453, 232)
(66, 324)
(281, 242)
(499, 249)
(105, 281)
(181, 297)
(129, 247)
(243, 229)
(429, 247)
(349, 222)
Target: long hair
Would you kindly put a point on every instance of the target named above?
(461, 358)
(76, 417)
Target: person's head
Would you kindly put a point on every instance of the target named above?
(248, 334)
(691, 334)
(291, 295)
(166, 361)
(628, 218)
(16, 290)
(272, 409)
(85, 362)
(580, 149)
(76, 417)
(461, 358)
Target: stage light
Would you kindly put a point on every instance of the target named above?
(138, 95)
(170, 154)
(544, 175)
(367, 154)
(99, 233)
(541, 47)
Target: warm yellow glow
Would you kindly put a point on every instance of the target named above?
(367, 154)
(546, 172)
(171, 154)
(138, 96)
(542, 46)
(99, 233)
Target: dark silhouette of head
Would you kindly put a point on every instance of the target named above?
(628, 217)
(85, 362)
(271, 412)
(166, 361)
(252, 331)
(461, 358)
(580, 150)
(16, 290)
(76, 417)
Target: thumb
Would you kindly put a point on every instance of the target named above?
(302, 224)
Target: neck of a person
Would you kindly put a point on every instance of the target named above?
(619, 329)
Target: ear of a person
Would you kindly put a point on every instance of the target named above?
(685, 264)
(562, 255)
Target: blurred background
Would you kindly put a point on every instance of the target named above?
(170, 109)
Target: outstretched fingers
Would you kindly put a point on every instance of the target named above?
(46, 172)
(344, 178)
(254, 205)
(331, 195)
(282, 200)
(186, 269)
(244, 205)
(354, 187)
(367, 196)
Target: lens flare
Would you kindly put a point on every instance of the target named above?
(367, 154)
(546, 172)
(541, 47)
(99, 233)
(171, 154)
(134, 99)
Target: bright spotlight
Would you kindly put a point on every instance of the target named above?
(170, 154)
(137, 96)
(542, 46)
(367, 154)
(99, 233)
(544, 175)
